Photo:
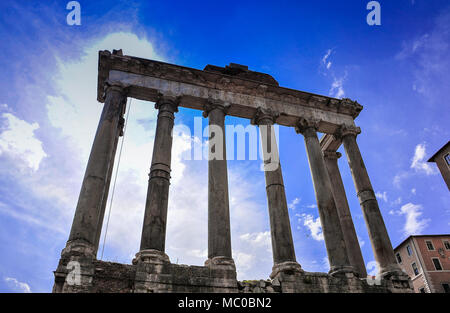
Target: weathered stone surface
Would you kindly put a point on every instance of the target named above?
(147, 78)
(381, 244)
(105, 277)
(219, 233)
(236, 91)
(155, 217)
(347, 226)
(332, 232)
(88, 219)
(280, 226)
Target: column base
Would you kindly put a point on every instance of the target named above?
(222, 262)
(393, 273)
(151, 256)
(76, 268)
(79, 248)
(286, 267)
(337, 271)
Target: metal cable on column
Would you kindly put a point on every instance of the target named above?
(115, 178)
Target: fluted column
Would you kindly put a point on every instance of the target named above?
(88, 219)
(331, 227)
(219, 233)
(381, 244)
(280, 226)
(155, 217)
(345, 217)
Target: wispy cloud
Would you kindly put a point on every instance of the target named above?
(293, 204)
(372, 268)
(337, 87)
(16, 285)
(326, 59)
(419, 162)
(314, 226)
(414, 223)
(18, 140)
(382, 195)
(427, 56)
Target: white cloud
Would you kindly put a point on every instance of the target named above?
(17, 286)
(399, 178)
(293, 204)
(314, 225)
(75, 110)
(427, 57)
(397, 201)
(19, 141)
(372, 268)
(419, 163)
(260, 239)
(337, 87)
(382, 196)
(244, 262)
(325, 59)
(361, 242)
(414, 224)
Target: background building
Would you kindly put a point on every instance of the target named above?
(426, 259)
(442, 160)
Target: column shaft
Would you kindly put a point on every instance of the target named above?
(348, 228)
(381, 244)
(88, 217)
(155, 216)
(331, 227)
(280, 227)
(108, 181)
(219, 234)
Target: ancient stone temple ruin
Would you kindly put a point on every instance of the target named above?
(219, 91)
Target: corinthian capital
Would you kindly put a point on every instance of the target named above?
(347, 130)
(115, 86)
(167, 103)
(303, 124)
(264, 116)
(215, 104)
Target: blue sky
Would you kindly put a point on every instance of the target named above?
(399, 71)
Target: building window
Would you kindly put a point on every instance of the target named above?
(437, 264)
(447, 158)
(446, 288)
(447, 245)
(399, 258)
(408, 249)
(429, 245)
(415, 269)
(422, 290)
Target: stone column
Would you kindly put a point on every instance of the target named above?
(108, 182)
(88, 218)
(381, 244)
(345, 217)
(155, 217)
(280, 226)
(219, 233)
(331, 227)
